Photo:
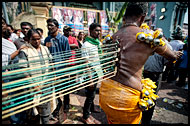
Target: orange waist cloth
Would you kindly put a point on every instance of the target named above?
(120, 102)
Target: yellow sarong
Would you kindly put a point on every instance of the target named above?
(120, 103)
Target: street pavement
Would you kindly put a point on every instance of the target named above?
(171, 107)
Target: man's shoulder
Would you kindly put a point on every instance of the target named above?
(63, 38)
(4, 40)
(19, 40)
(86, 43)
(60, 36)
(174, 41)
(47, 38)
(180, 42)
(124, 30)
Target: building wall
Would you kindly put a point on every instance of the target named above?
(98, 5)
(166, 22)
(24, 17)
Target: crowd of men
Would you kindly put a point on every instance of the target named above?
(116, 93)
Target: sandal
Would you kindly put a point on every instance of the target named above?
(88, 121)
(94, 120)
(53, 120)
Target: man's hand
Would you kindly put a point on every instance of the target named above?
(48, 44)
(73, 46)
(13, 55)
(178, 54)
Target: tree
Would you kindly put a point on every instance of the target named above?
(113, 22)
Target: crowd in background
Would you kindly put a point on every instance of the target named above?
(32, 46)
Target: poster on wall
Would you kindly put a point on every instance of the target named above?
(91, 15)
(153, 15)
(68, 17)
(78, 21)
(104, 23)
(57, 14)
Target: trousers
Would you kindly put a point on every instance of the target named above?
(89, 102)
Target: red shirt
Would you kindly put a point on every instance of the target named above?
(73, 40)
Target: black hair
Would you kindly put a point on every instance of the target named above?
(31, 32)
(94, 25)
(54, 21)
(26, 24)
(16, 30)
(177, 34)
(136, 9)
(41, 30)
(80, 33)
(10, 27)
(6, 34)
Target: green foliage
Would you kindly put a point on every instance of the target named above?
(108, 15)
(114, 21)
(121, 13)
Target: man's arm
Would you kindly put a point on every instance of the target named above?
(13, 55)
(166, 52)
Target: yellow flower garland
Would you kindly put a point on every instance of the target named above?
(154, 39)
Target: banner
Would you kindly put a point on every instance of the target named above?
(104, 23)
(58, 15)
(78, 21)
(91, 15)
(68, 17)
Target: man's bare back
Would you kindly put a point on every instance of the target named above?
(132, 57)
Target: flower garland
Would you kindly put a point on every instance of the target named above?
(150, 37)
(148, 96)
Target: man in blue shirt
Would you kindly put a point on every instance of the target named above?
(60, 50)
(183, 68)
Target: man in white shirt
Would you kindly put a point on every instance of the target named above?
(90, 50)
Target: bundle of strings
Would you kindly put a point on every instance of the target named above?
(19, 92)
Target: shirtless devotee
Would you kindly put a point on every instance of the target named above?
(120, 95)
